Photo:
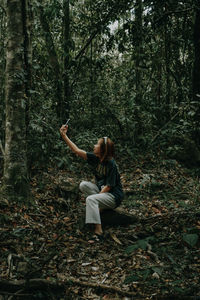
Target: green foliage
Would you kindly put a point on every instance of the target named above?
(191, 239)
(86, 140)
(140, 244)
(43, 139)
(141, 275)
(128, 84)
(4, 219)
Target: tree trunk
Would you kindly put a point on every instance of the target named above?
(92, 87)
(15, 175)
(138, 46)
(2, 77)
(137, 55)
(196, 73)
(53, 61)
(167, 65)
(66, 49)
(27, 29)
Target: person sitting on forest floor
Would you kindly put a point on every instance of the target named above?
(107, 193)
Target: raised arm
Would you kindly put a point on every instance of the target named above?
(72, 146)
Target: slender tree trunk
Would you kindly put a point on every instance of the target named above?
(15, 176)
(53, 61)
(27, 30)
(196, 73)
(178, 71)
(92, 96)
(167, 66)
(2, 75)
(138, 50)
(137, 45)
(65, 109)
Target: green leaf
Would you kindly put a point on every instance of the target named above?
(139, 244)
(191, 239)
(158, 270)
(130, 279)
(142, 244)
(131, 248)
(179, 290)
(145, 273)
(4, 218)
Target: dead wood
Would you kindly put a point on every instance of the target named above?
(173, 216)
(37, 283)
(44, 284)
(22, 285)
(118, 216)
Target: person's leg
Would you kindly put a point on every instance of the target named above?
(93, 204)
(98, 229)
(88, 188)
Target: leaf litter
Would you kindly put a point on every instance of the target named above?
(159, 255)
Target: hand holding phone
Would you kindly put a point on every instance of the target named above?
(63, 129)
(67, 122)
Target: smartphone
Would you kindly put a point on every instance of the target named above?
(67, 122)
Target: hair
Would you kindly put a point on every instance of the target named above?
(106, 149)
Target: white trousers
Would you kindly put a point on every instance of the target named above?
(95, 201)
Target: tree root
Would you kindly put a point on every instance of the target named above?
(20, 286)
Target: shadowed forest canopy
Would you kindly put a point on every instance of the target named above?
(129, 70)
(132, 66)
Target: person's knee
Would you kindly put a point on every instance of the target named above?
(90, 200)
(82, 186)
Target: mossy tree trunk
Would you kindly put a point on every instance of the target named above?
(2, 76)
(15, 177)
(196, 74)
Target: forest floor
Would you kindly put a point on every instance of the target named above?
(46, 253)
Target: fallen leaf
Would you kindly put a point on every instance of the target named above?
(113, 236)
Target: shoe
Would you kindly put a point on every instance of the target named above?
(96, 238)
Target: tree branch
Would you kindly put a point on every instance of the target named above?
(3, 9)
(171, 13)
(2, 149)
(98, 30)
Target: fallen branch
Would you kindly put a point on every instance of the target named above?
(43, 284)
(39, 283)
(103, 287)
(47, 284)
(177, 214)
(18, 293)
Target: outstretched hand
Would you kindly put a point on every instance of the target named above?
(63, 129)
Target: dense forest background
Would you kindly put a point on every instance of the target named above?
(129, 70)
(126, 69)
